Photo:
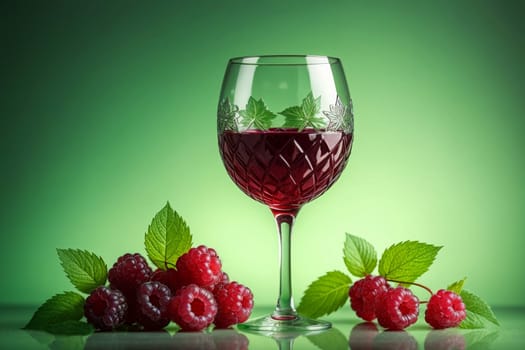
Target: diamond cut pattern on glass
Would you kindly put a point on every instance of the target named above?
(285, 169)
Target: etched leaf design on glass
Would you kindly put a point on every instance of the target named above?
(256, 115)
(227, 116)
(305, 115)
(340, 117)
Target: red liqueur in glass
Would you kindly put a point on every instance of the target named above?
(285, 168)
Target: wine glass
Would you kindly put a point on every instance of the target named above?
(285, 130)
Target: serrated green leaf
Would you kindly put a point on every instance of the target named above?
(472, 321)
(68, 306)
(256, 115)
(305, 115)
(360, 257)
(69, 327)
(331, 339)
(457, 286)
(168, 237)
(478, 311)
(325, 295)
(85, 270)
(406, 261)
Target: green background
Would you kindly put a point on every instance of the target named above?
(108, 111)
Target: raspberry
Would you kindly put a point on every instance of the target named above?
(235, 304)
(133, 310)
(167, 277)
(363, 295)
(148, 324)
(193, 308)
(224, 279)
(445, 309)
(129, 272)
(153, 298)
(105, 308)
(200, 266)
(397, 308)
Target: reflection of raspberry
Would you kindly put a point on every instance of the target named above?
(362, 336)
(200, 266)
(397, 308)
(193, 308)
(363, 295)
(230, 340)
(445, 340)
(400, 340)
(445, 309)
(105, 308)
(129, 272)
(235, 303)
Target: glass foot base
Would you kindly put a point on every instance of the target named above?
(288, 324)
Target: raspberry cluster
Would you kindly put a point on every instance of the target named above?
(194, 295)
(396, 308)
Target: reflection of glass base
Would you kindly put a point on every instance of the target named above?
(270, 325)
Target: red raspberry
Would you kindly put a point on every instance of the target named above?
(153, 298)
(200, 266)
(193, 308)
(129, 272)
(167, 277)
(222, 281)
(397, 308)
(105, 308)
(445, 309)
(235, 303)
(363, 295)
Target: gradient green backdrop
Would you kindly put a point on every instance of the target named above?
(108, 111)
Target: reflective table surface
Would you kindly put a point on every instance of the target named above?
(348, 332)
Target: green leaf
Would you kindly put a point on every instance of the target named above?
(69, 327)
(478, 311)
(256, 115)
(406, 261)
(331, 339)
(472, 321)
(457, 286)
(168, 237)
(304, 116)
(325, 295)
(68, 306)
(85, 270)
(360, 256)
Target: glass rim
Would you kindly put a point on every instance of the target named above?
(284, 60)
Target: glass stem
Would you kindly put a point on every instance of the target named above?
(285, 309)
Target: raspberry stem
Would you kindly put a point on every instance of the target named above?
(169, 265)
(414, 284)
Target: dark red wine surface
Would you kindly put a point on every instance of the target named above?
(284, 168)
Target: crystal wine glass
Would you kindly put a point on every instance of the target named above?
(285, 130)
